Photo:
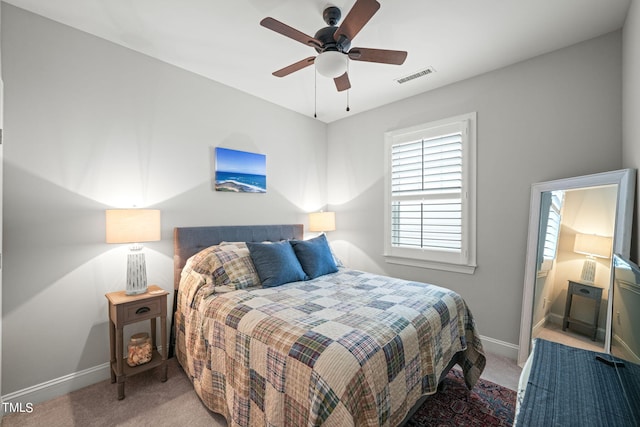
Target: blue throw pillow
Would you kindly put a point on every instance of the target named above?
(315, 256)
(276, 263)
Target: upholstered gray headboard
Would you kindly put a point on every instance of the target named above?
(188, 241)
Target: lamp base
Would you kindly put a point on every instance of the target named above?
(136, 274)
(588, 270)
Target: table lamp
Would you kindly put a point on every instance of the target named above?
(133, 226)
(322, 221)
(593, 247)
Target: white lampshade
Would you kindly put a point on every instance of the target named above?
(133, 226)
(595, 246)
(592, 246)
(331, 64)
(322, 221)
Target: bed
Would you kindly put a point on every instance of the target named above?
(336, 348)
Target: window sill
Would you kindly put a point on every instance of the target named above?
(434, 265)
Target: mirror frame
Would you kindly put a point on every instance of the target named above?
(625, 179)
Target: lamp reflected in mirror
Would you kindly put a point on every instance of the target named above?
(593, 247)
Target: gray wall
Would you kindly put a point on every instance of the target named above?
(90, 125)
(554, 116)
(631, 108)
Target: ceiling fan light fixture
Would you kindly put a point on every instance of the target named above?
(331, 64)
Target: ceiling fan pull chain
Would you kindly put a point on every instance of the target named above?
(315, 94)
(348, 90)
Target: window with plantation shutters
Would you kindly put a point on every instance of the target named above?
(553, 226)
(430, 209)
(549, 231)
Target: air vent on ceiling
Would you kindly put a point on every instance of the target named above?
(421, 73)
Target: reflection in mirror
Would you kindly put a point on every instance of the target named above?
(574, 226)
(573, 274)
(625, 328)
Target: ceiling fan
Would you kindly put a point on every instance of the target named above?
(333, 43)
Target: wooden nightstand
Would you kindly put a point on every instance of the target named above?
(126, 309)
(587, 291)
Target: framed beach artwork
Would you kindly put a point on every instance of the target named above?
(240, 171)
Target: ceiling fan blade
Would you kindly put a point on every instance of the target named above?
(290, 32)
(396, 57)
(358, 16)
(294, 67)
(342, 82)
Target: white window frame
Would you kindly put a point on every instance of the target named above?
(549, 242)
(465, 261)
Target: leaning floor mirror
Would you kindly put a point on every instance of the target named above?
(575, 227)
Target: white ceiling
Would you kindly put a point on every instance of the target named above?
(223, 40)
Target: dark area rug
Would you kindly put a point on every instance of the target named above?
(488, 404)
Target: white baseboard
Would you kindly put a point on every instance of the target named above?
(59, 386)
(499, 347)
(536, 328)
(554, 318)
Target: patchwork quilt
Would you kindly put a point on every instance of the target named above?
(348, 348)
